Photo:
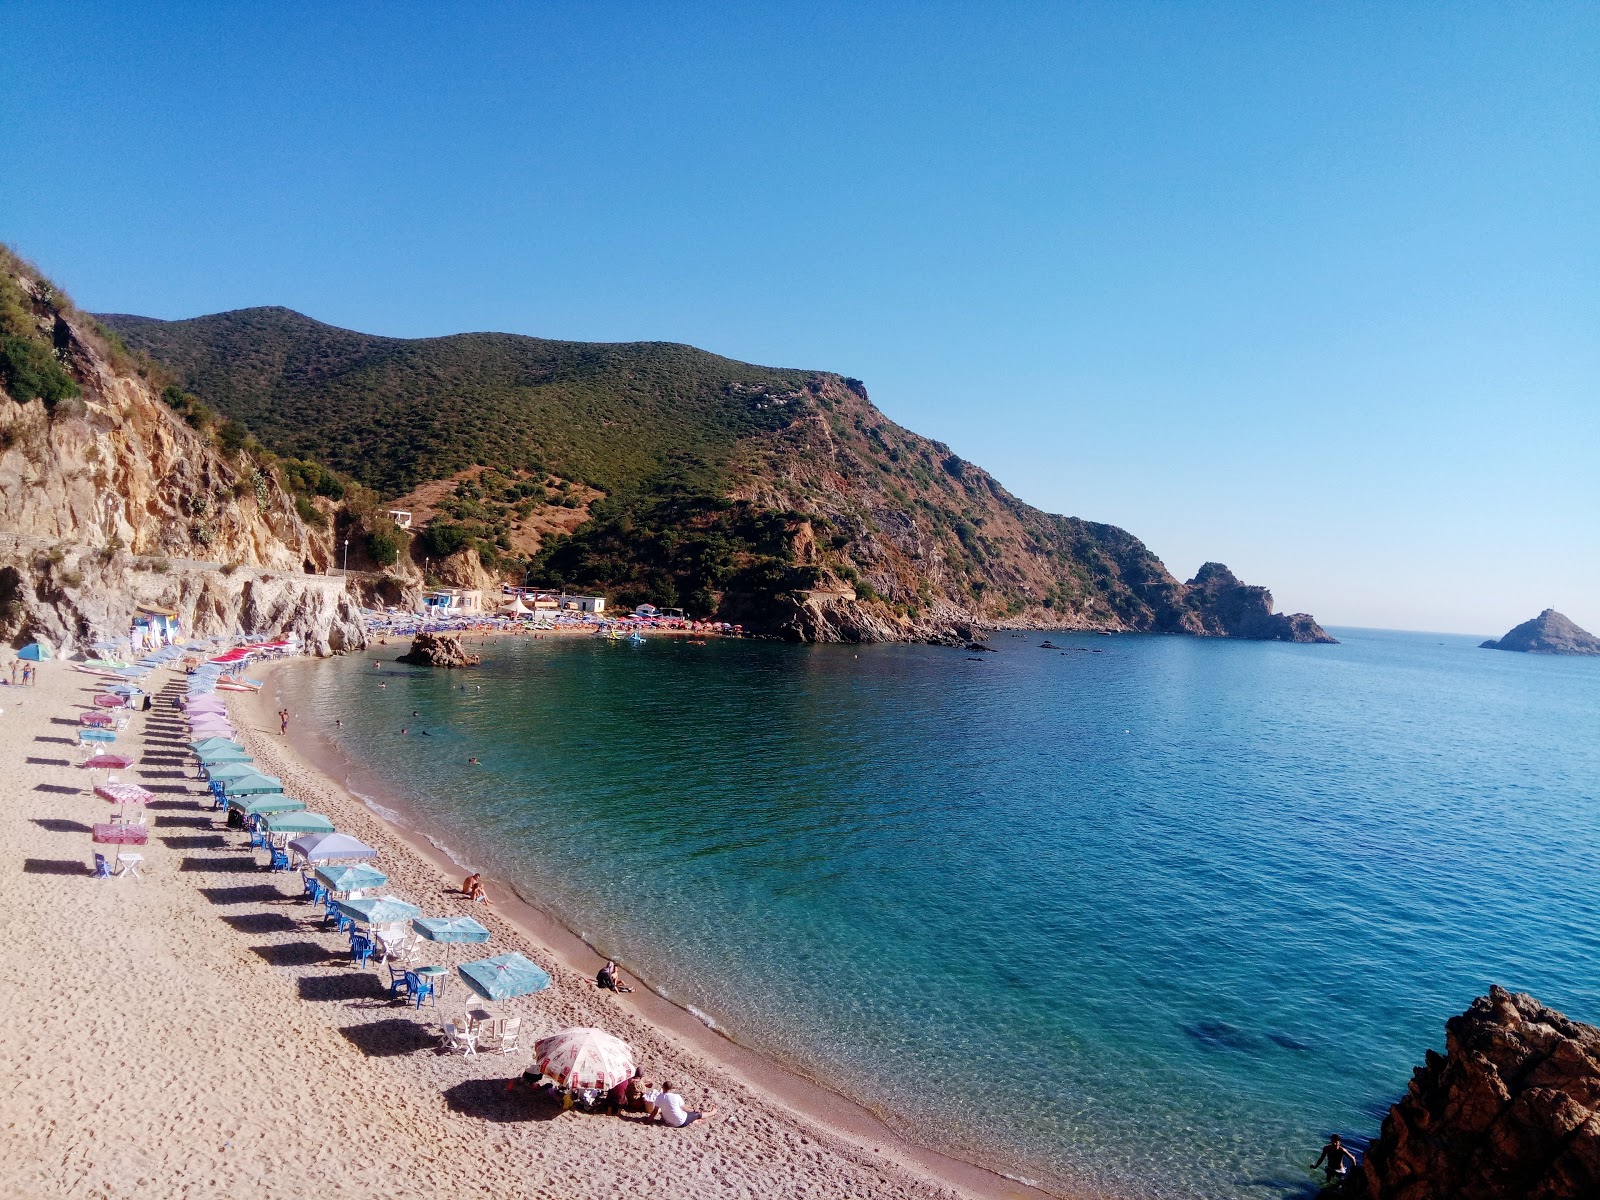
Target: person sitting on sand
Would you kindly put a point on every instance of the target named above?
(1338, 1157)
(608, 980)
(472, 888)
(671, 1109)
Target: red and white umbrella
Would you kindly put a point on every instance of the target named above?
(584, 1058)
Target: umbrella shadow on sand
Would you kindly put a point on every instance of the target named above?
(501, 1101)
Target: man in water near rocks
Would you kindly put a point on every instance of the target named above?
(1338, 1158)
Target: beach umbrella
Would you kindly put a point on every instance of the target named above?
(253, 785)
(584, 1058)
(96, 735)
(213, 758)
(123, 793)
(503, 976)
(108, 701)
(351, 878)
(208, 723)
(298, 822)
(99, 720)
(378, 910)
(224, 771)
(265, 805)
(450, 929)
(119, 834)
(206, 704)
(106, 761)
(213, 743)
(328, 847)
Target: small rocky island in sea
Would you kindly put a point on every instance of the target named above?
(1510, 1111)
(438, 650)
(1548, 633)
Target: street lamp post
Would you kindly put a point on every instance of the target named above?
(346, 567)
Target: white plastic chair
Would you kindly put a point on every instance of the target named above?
(509, 1030)
(457, 1038)
(128, 864)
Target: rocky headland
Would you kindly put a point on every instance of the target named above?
(1510, 1111)
(1548, 633)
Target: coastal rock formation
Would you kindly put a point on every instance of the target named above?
(1510, 1111)
(439, 650)
(108, 501)
(779, 499)
(1548, 633)
(1225, 607)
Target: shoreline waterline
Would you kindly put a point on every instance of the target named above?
(782, 1084)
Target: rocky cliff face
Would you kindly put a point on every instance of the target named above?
(1511, 1111)
(938, 542)
(109, 502)
(1548, 633)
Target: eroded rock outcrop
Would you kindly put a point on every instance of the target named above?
(1221, 606)
(439, 650)
(1548, 633)
(1510, 1111)
(109, 502)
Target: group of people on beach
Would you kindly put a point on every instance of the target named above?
(29, 672)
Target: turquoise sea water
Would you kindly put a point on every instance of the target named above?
(1155, 914)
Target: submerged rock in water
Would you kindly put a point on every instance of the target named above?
(439, 650)
(1510, 1111)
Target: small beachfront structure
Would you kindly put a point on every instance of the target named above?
(452, 602)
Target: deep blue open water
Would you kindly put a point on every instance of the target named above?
(1155, 914)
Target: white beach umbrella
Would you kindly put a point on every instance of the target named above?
(585, 1058)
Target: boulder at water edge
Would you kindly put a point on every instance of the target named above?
(1510, 1111)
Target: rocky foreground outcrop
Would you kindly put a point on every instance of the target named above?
(1548, 633)
(438, 650)
(1510, 1111)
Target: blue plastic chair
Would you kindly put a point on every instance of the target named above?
(102, 868)
(341, 923)
(399, 982)
(421, 989)
(258, 837)
(309, 884)
(360, 949)
(280, 860)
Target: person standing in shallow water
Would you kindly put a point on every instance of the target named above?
(283, 721)
(1338, 1158)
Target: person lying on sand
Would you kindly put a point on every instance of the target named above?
(670, 1108)
(472, 888)
(609, 979)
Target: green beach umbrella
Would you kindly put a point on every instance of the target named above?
(298, 822)
(351, 878)
(253, 785)
(266, 804)
(202, 745)
(503, 976)
(226, 771)
(378, 910)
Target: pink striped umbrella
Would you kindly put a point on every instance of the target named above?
(99, 720)
(104, 701)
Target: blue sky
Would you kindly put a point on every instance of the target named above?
(1313, 290)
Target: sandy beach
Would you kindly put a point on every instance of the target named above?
(195, 1032)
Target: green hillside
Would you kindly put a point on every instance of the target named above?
(393, 413)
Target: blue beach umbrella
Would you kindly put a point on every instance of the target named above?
(450, 929)
(378, 910)
(503, 976)
(298, 822)
(96, 735)
(201, 745)
(351, 878)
